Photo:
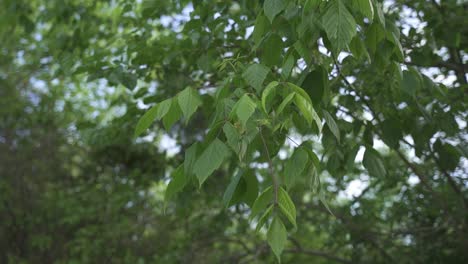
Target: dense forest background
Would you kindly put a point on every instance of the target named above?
(76, 76)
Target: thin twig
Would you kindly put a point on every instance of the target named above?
(292, 140)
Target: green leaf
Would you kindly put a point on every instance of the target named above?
(233, 137)
(410, 83)
(304, 107)
(316, 185)
(189, 100)
(239, 192)
(146, 120)
(398, 50)
(128, 80)
(334, 162)
(300, 91)
(351, 157)
(316, 84)
(308, 111)
(314, 179)
(172, 115)
(176, 184)
(262, 202)
(231, 188)
(317, 120)
(285, 102)
(272, 50)
(164, 107)
(244, 108)
(273, 8)
(339, 24)
(312, 156)
(365, 7)
(303, 51)
(286, 206)
(261, 24)
(155, 113)
(332, 124)
(204, 62)
(267, 92)
(358, 49)
(374, 34)
(210, 160)
(448, 155)
(277, 237)
(287, 67)
(190, 158)
(324, 202)
(141, 92)
(261, 222)
(251, 191)
(373, 163)
(295, 166)
(246, 190)
(379, 13)
(391, 132)
(312, 4)
(255, 74)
